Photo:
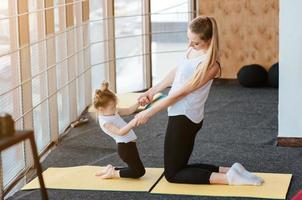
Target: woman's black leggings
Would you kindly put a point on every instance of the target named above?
(129, 154)
(179, 143)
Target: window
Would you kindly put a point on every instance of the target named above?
(62, 67)
(128, 45)
(10, 91)
(39, 73)
(98, 44)
(80, 82)
(169, 34)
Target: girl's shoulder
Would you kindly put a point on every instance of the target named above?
(106, 118)
(110, 118)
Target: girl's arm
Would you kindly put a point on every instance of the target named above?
(128, 111)
(176, 96)
(120, 131)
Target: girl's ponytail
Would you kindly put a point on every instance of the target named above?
(103, 96)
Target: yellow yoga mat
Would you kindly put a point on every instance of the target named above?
(83, 178)
(275, 187)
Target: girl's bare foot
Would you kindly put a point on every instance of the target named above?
(111, 173)
(104, 171)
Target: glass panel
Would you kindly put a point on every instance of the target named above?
(42, 135)
(4, 34)
(38, 69)
(129, 71)
(62, 67)
(172, 17)
(80, 83)
(13, 160)
(97, 49)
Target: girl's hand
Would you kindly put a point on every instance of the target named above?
(142, 117)
(145, 98)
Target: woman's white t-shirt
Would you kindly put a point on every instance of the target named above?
(118, 122)
(191, 105)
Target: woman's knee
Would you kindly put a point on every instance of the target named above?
(169, 176)
(139, 173)
(171, 179)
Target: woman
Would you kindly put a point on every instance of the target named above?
(191, 82)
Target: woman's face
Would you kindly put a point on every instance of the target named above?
(195, 42)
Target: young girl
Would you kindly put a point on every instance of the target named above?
(112, 124)
(191, 82)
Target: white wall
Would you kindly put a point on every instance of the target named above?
(290, 69)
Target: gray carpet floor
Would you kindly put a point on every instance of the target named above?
(240, 125)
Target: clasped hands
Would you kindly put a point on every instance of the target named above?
(143, 116)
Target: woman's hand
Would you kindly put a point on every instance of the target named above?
(142, 117)
(133, 122)
(145, 98)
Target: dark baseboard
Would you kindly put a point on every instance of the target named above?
(289, 142)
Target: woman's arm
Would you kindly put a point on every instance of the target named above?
(147, 97)
(120, 131)
(166, 82)
(185, 90)
(176, 96)
(128, 111)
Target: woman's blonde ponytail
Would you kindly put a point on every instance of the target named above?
(210, 31)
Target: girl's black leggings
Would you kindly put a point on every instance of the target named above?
(129, 154)
(179, 143)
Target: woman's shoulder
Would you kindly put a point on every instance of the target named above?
(217, 67)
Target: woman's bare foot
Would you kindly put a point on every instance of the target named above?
(104, 171)
(111, 173)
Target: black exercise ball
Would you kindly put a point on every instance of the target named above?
(273, 75)
(253, 75)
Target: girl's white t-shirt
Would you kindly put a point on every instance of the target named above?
(118, 122)
(191, 105)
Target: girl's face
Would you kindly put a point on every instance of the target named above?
(110, 109)
(195, 42)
